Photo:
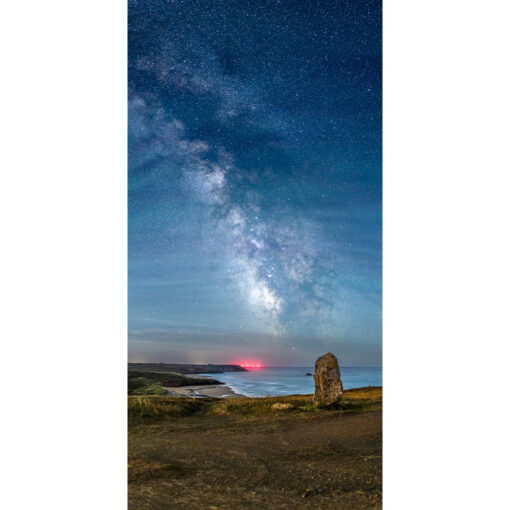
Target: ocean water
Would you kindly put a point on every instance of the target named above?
(274, 381)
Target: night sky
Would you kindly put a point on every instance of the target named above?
(255, 185)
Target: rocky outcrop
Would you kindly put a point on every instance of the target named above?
(328, 385)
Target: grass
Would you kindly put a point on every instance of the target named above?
(153, 383)
(356, 400)
(142, 386)
(153, 408)
(363, 399)
(265, 405)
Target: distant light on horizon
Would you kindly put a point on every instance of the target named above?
(250, 364)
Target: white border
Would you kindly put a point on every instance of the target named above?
(63, 256)
(446, 254)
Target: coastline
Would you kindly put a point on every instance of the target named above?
(204, 391)
(271, 381)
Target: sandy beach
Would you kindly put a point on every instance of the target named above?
(201, 391)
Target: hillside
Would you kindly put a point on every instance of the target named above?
(141, 382)
(185, 369)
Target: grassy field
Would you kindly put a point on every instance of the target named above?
(153, 383)
(151, 408)
(277, 452)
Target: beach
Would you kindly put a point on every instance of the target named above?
(220, 390)
(214, 391)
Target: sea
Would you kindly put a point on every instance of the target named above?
(276, 381)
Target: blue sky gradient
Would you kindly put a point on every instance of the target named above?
(255, 181)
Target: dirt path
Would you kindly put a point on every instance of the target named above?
(316, 460)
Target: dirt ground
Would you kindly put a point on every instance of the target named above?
(328, 460)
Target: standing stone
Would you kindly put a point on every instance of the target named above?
(328, 385)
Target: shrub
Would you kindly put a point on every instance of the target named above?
(280, 406)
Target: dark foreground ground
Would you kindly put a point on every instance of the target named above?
(272, 453)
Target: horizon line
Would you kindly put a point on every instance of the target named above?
(237, 365)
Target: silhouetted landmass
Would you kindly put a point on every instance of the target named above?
(185, 369)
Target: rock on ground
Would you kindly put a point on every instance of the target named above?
(328, 385)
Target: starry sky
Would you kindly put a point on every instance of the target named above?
(255, 185)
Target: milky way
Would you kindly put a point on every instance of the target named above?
(254, 181)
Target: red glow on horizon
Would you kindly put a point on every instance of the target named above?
(250, 364)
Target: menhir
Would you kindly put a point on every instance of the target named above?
(328, 385)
